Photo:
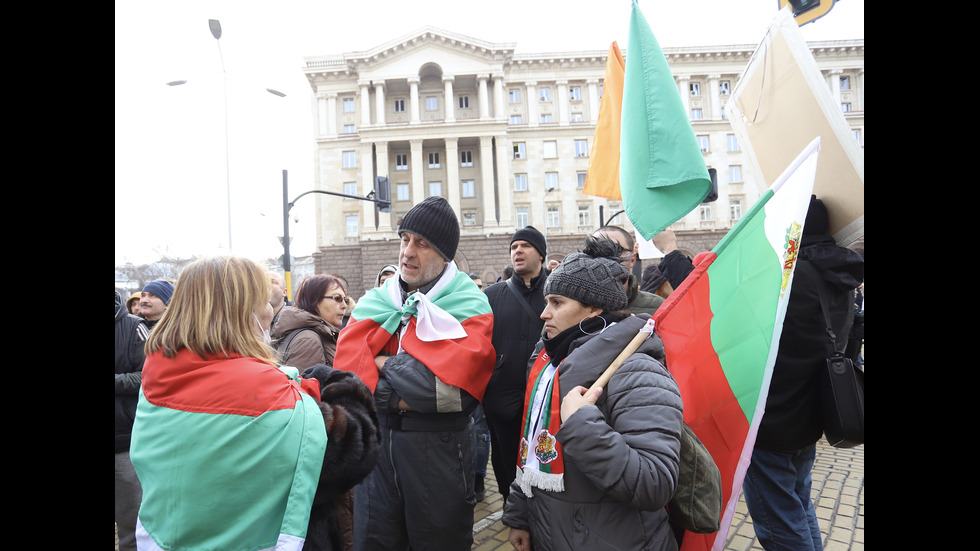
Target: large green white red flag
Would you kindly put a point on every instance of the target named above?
(721, 329)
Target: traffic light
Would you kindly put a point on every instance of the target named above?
(805, 11)
(382, 194)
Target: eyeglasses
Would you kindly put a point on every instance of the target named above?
(339, 299)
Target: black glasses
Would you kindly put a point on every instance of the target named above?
(339, 299)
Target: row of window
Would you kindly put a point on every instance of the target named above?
(550, 151)
(731, 143)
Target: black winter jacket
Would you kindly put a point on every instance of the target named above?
(515, 332)
(792, 417)
(131, 334)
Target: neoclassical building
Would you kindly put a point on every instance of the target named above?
(506, 138)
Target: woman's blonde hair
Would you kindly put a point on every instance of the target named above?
(211, 311)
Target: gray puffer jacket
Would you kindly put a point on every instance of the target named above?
(621, 454)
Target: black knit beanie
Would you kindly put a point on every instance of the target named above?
(532, 236)
(434, 220)
(591, 279)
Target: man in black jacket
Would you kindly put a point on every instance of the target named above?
(517, 304)
(131, 334)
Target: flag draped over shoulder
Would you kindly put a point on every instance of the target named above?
(661, 171)
(721, 329)
(228, 451)
(448, 329)
(602, 178)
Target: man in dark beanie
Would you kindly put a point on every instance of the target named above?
(154, 300)
(517, 303)
(421, 342)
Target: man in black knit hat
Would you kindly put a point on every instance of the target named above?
(517, 303)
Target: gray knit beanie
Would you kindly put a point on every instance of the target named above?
(434, 220)
(593, 277)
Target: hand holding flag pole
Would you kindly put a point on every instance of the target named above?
(642, 335)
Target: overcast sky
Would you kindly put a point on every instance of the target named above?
(172, 173)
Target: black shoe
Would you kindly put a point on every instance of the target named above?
(479, 489)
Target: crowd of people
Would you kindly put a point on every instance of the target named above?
(245, 420)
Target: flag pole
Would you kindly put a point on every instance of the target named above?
(642, 335)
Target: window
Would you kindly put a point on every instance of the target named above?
(695, 88)
(577, 117)
(464, 102)
(724, 116)
(431, 103)
(514, 95)
(399, 105)
(466, 158)
(348, 105)
(469, 218)
(732, 142)
(554, 217)
(575, 93)
(544, 94)
(550, 180)
(435, 189)
(580, 180)
(515, 119)
(350, 188)
(703, 143)
(520, 217)
(696, 114)
(402, 190)
(351, 225)
(581, 148)
(434, 159)
(734, 174)
(401, 161)
(519, 152)
(584, 215)
(857, 135)
(546, 118)
(520, 182)
(706, 214)
(845, 83)
(725, 87)
(469, 190)
(349, 129)
(845, 107)
(550, 149)
(350, 159)
(735, 208)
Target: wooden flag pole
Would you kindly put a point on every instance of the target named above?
(641, 336)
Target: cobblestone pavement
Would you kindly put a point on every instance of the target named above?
(838, 493)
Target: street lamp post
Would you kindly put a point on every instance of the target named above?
(215, 26)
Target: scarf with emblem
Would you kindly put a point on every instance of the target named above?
(540, 463)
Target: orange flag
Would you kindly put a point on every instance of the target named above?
(602, 178)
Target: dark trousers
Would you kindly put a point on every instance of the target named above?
(505, 442)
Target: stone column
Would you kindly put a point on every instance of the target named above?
(452, 175)
(447, 83)
(379, 100)
(366, 185)
(483, 98)
(418, 183)
(505, 189)
(715, 96)
(593, 85)
(384, 218)
(413, 98)
(321, 113)
(331, 128)
(562, 91)
(834, 77)
(532, 102)
(486, 184)
(683, 86)
(499, 87)
(365, 102)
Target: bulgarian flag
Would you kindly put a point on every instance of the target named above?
(448, 329)
(644, 149)
(721, 329)
(228, 451)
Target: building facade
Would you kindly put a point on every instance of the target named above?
(506, 138)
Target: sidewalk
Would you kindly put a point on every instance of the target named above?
(838, 493)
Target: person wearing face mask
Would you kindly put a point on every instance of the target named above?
(214, 410)
(596, 468)
(306, 332)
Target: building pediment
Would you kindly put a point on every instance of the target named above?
(405, 57)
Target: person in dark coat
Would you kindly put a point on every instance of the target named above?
(597, 467)
(515, 332)
(131, 334)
